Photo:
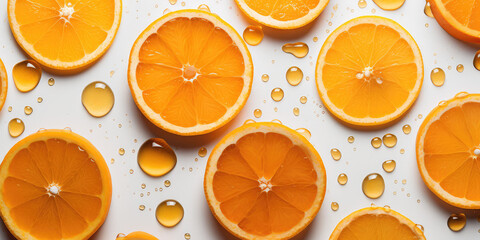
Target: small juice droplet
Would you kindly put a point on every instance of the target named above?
(169, 213)
(187, 236)
(389, 5)
(336, 154)
(315, 39)
(461, 95)
(303, 100)
(476, 60)
(257, 113)
(294, 76)
(51, 82)
(121, 151)
(143, 186)
(298, 49)
(10, 108)
(389, 166)
(39, 99)
(460, 68)
(334, 206)
(167, 183)
(265, 77)
(98, 99)
(173, 2)
(277, 94)
(407, 129)
(420, 227)
(376, 142)
(457, 222)
(373, 185)
(141, 207)
(253, 35)
(351, 139)
(402, 151)
(156, 158)
(249, 121)
(28, 110)
(277, 121)
(305, 132)
(26, 75)
(16, 127)
(204, 7)
(389, 140)
(438, 77)
(428, 10)
(202, 152)
(342, 179)
(296, 111)
(183, 4)
(362, 3)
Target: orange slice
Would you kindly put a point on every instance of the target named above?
(3, 84)
(369, 72)
(282, 14)
(264, 181)
(190, 72)
(136, 236)
(448, 151)
(65, 36)
(54, 185)
(376, 223)
(460, 18)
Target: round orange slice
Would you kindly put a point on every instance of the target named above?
(136, 236)
(190, 72)
(264, 181)
(448, 151)
(65, 36)
(282, 14)
(54, 185)
(459, 18)
(369, 72)
(377, 223)
(3, 84)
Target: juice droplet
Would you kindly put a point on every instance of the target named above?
(428, 10)
(336, 154)
(296, 111)
(438, 77)
(16, 127)
(249, 121)
(173, 2)
(10, 109)
(460, 68)
(39, 100)
(402, 151)
(406, 129)
(315, 39)
(253, 35)
(457, 222)
(342, 179)
(143, 186)
(51, 82)
(204, 7)
(420, 227)
(389, 5)
(202, 152)
(334, 206)
(362, 3)
(277, 94)
(305, 132)
(26, 75)
(257, 113)
(187, 236)
(298, 49)
(476, 60)
(376, 142)
(294, 76)
(141, 207)
(28, 110)
(98, 99)
(167, 183)
(461, 95)
(121, 151)
(303, 100)
(373, 185)
(169, 213)
(389, 166)
(156, 158)
(389, 140)
(351, 139)
(277, 121)
(265, 77)
(420, 116)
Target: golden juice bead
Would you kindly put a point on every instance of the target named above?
(373, 185)
(98, 99)
(277, 94)
(389, 140)
(253, 35)
(298, 49)
(202, 152)
(428, 10)
(257, 113)
(16, 127)
(204, 7)
(460, 68)
(362, 3)
(476, 60)
(342, 179)
(26, 75)
(28, 110)
(389, 166)
(169, 213)
(294, 76)
(456, 222)
(156, 158)
(334, 206)
(376, 142)
(336, 154)
(303, 100)
(437, 76)
(305, 132)
(406, 129)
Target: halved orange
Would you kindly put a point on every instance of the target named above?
(3, 84)
(376, 223)
(448, 151)
(190, 72)
(264, 181)
(369, 72)
(65, 36)
(460, 18)
(137, 236)
(282, 14)
(55, 185)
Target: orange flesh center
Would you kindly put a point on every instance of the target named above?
(465, 12)
(452, 151)
(283, 10)
(369, 71)
(53, 189)
(190, 72)
(265, 183)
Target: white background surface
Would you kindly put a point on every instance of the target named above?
(62, 108)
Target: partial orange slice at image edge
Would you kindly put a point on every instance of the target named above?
(3, 84)
(136, 236)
